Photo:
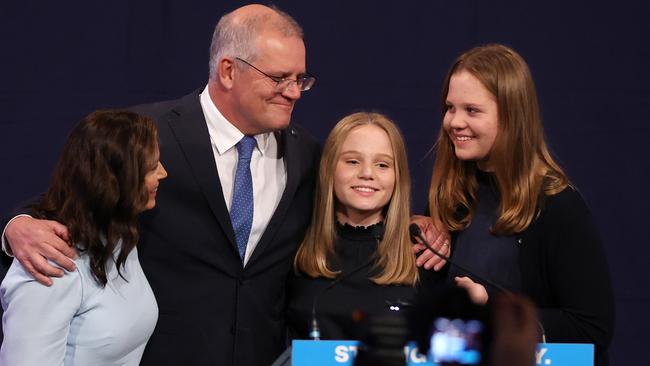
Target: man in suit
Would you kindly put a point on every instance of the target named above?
(216, 260)
(219, 281)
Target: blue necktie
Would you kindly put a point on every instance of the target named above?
(241, 209)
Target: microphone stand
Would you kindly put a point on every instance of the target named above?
(314, 332)
(415, 231)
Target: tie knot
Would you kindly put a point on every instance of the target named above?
(245, 147)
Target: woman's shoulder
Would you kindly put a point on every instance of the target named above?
(565, 210)
(567, 201)
(20, 284)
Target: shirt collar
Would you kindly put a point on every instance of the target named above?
(223, 133)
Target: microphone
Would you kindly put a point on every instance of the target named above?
(415, 232)
(314, 333)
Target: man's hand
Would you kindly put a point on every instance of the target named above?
(476, 291)
(439, 240)
(34, 241)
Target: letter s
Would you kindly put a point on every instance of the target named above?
(341, 354)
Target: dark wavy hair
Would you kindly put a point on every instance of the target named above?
(97, 188)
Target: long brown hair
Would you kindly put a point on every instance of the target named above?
(97, 188)
(395, 260)
(524, 168)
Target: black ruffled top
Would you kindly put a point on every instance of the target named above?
(353, 296)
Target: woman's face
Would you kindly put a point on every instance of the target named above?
(364, 177)
(151, 181)
(471, 120)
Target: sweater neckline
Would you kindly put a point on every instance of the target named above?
(352, 232)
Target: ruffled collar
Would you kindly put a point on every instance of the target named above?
(360, 232)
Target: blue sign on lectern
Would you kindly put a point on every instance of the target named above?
(342, 353)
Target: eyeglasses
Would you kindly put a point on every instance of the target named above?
(304, 82)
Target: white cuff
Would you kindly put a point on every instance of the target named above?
(5, 244)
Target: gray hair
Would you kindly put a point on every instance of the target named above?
(237, 38)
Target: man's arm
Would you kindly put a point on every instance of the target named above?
(33, 242)
(439, 240)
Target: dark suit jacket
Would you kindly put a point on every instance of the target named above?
(213, 311)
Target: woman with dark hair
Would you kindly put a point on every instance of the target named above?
(105, 311)
(515, 218)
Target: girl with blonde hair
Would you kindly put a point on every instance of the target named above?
(514, 217)
(358, 237)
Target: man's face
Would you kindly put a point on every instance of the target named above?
(260, 104)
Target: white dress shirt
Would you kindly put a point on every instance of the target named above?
(268, 168)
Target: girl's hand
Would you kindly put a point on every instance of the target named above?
(476, 291)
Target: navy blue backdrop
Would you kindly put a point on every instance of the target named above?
(61, 60)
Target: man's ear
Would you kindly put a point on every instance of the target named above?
(226, 75)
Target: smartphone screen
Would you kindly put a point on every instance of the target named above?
(457, 341)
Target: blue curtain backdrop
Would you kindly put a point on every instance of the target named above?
(61, 60)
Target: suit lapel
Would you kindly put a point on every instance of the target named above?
(291, 154)
(190, 129)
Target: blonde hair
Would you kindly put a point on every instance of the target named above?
(394, 259)
(524, 169)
